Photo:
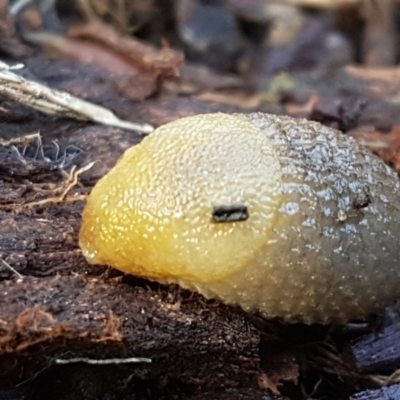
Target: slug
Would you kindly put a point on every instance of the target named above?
(283, 217)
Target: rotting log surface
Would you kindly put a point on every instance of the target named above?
(386, 393)
(67, 317)
(379, 353)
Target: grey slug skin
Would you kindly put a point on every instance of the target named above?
(337, 261)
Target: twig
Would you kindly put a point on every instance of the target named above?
(17, 6)
(387, 380)
(108, 361)
(74, 177)
(20, 140)
(380, 37)
(11, 268)
(55, 102)
(72, 180)
(87, 10)
(55, 200)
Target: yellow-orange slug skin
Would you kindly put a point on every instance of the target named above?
(321, 241)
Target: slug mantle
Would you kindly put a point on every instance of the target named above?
(280, 216)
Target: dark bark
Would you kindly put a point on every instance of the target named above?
(378, 352)
(386, 393)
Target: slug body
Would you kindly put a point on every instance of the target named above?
(318, 236)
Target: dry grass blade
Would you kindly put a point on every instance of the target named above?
(71, 182)
(13, 270)
(21, 139)
(108, 361)
(55, 102)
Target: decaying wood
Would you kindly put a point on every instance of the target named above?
(380, 32)
(165, 62)
(239, 394)
(324, 3)
(66, 317)
(378, 352)
(386, 393)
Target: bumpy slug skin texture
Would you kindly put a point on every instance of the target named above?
(321, 243)
(152, 214)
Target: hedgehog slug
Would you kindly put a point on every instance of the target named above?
(280, 216)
